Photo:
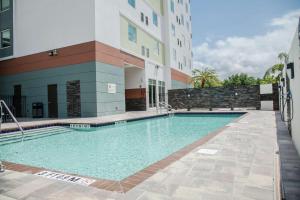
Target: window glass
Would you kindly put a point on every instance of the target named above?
(172, 6)
(173, 30)
(161, 90)
(132, 33)
(143, 51)
(132, 3)
(155, 19)
(4, 4)
(142, 17)
(5, 38)
(152, 93)
(174, 54)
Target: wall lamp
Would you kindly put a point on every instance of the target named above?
(290, 66)
(53, 52)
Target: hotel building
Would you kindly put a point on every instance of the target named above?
(94, 57)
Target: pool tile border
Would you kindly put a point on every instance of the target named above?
(132, 181)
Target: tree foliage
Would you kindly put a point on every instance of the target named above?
(205, 78)
(240, 79)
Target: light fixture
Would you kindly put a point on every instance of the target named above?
(290, 66)
(53, 52)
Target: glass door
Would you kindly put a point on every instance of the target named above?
(152, 93)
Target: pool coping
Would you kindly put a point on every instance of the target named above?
(132, 181)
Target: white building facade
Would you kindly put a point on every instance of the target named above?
(94, 57)
(290, 93)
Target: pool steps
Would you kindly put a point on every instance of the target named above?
(32, 134)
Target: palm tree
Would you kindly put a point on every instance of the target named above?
(283, 57)
(205, 78)
(276, 70)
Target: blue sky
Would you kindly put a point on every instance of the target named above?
(225, 27)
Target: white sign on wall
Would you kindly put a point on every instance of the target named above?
(111, 88)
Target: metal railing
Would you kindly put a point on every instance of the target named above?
(17, 104)
(164, 105)
(3, 104)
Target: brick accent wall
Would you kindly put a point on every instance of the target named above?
(221, 97)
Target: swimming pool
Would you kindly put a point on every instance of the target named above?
(112, 152)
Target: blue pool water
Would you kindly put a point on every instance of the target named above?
(117, 151)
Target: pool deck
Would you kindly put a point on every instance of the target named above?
(245, 167)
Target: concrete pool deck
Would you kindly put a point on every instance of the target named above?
(243, 168)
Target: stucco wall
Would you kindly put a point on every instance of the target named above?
(110, 103)
(45, 25)
(294, 55)
(34, 87)
(94, 79)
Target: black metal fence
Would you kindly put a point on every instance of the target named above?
(17, 104)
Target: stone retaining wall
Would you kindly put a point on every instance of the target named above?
(220, 97)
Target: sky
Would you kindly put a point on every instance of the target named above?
(235, 36)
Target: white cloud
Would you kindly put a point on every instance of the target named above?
(252, 55)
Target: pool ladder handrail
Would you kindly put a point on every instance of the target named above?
(2, 103)
(166, 106)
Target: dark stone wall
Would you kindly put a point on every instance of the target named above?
(73, 99)
(221, 97)
(135, 99)
(136, 104)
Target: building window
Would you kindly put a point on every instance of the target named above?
(148, 52)
(132, 36)
(4, 5)
(143, 51)
(152, 93)
(147, 21)
(162, 91)
(173, 30)
(155, 19)
(172, 6)
(184, 61)
(142, 17)
(182, 19)
(174, 55)
(5, 39)
(132, 3)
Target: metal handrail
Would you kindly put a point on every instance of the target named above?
(168, 107)
(11, 115)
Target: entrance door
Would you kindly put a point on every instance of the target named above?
(17, 101)
(152, 93)
(52, 101)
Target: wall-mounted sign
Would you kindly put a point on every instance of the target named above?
(111, 88)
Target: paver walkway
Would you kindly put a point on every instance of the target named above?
(244, 168)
